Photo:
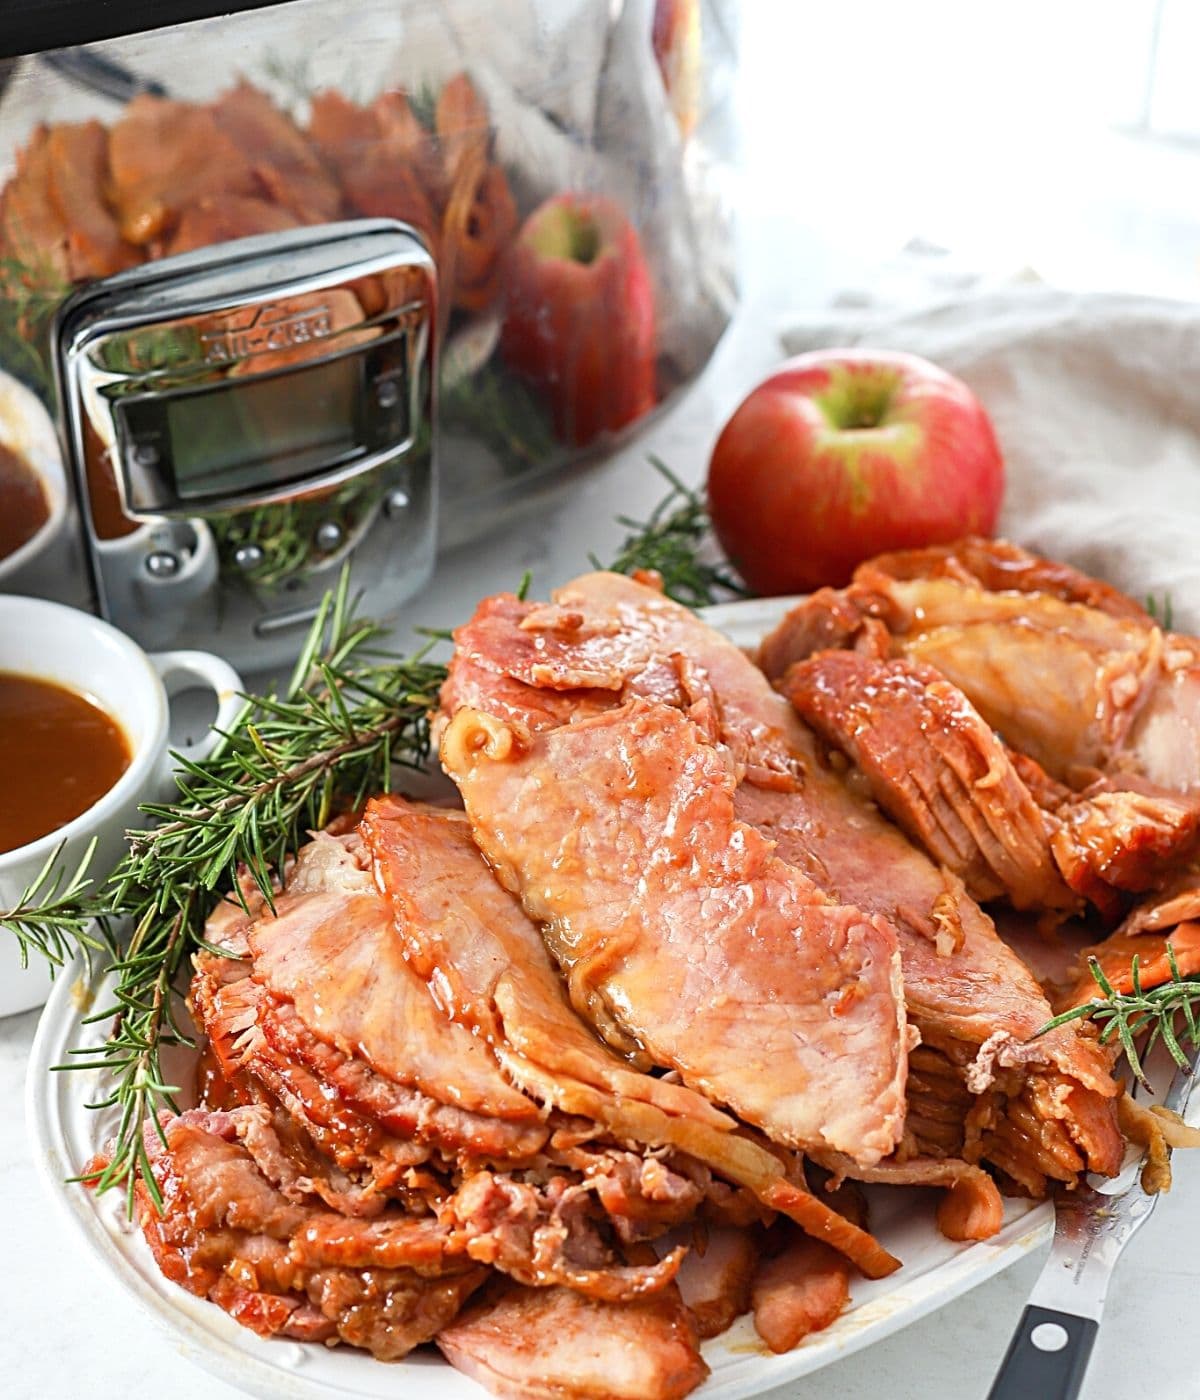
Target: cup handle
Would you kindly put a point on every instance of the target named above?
(178, 669)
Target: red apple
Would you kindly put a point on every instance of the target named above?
(578, 319)
(842, 454)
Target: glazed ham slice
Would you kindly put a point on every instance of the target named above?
(936, 768)
(77, 156)
(489, 968)
(798, 1291)
(676, 923)
(332, 952)
(1003, 567)
(606, 639)
(714, 1280)
(284, 163)
(165, 155)
(1067, 675)
(35, 235)
(553, 1344)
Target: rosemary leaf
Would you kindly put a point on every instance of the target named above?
(673, 543)
(1153, 1013)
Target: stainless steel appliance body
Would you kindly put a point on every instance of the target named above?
(237, 425)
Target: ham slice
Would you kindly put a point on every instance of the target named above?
(715, 1282)
(489, 969)
(284, 163)
(165, 155)
(676, 922)
(332, 951)
(936, 768)
(552, 1344)
(798, 1291)
(1003, 567)
(77, 156)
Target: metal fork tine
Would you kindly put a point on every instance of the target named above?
(1092, 1227)
(1181, 1086)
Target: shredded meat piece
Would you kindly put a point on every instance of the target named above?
(227, 1234)
(1111, 841)
(546, 1236)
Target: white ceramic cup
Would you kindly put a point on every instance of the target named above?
(51, 642)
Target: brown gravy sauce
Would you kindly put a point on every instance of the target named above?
(59, 753)
(24, 508)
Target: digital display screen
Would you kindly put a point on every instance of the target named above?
(251, 434)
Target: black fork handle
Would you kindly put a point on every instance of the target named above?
(1047, 1357)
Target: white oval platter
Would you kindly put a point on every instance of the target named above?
(65, 1134)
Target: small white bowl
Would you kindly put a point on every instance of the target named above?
(83, 653)
(28, 430)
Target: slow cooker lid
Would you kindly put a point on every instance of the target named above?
(30, 28)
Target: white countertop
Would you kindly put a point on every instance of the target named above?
(67, 1331)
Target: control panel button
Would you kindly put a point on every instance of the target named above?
(387, 393)
(329, 535)
(162, 564)
(396, 502)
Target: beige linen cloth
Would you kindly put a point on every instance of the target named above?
(1096, 401)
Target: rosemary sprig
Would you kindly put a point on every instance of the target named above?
(1153, 1013)
(1162, 613)
(673, 543)
(29, 295)
(504, 414)
(55, 915)
(287, 765)
(283, 534)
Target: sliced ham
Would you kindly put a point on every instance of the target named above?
(801, 1290)
(677, 922)
(291, 174)
(165, 155)
(615, 639)
(77, 156)
(553, 1344)
(714, 1282)
(937, 769)
(489, 969)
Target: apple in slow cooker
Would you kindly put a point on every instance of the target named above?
(579, 315)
